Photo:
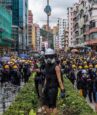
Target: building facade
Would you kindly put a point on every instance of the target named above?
(30, 23)
(85, 23)
(5, 29)
(36, 41)
(33, 38)
(66, 36)
(25, 23)
(70, 26)
(19, 22)
(75, 24)
(7, 4)
(62, 24)
(55, 37)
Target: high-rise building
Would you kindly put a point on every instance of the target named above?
(84, 23)
(66, 44)
(55, 37)
(7, 4)
(25, 22)
(30, 23)
(75, 29)
(70, 26)
(5, 28)
(19, 21)
(62, 24)
(36, 37)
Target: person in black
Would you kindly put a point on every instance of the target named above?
(95, 92)
(26, 71)
(38, 78)
(72, 76)
(15, 76)
(90, 80)
(5, 74)
(90, 88)
(39, 68)
(82, 83)
(53, 80)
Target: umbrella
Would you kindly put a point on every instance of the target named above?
(23, 56)
(5, 59)
(74, 50)
(36, 55)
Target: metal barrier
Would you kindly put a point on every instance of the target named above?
(8, 93)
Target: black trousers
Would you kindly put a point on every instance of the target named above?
(90, 94)
(50, 97)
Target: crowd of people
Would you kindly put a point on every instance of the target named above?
(80, 69)
(15, 71)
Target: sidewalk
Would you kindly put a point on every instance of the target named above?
(92, 105)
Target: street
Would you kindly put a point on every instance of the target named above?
(41, 41)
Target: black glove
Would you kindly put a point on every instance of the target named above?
(62, 93)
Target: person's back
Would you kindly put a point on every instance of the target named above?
(15, 76)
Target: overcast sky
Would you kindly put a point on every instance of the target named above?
(59, 9)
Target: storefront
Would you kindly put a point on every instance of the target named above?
(92, 44)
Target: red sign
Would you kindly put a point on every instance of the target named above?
(91, 31)
(91, 42)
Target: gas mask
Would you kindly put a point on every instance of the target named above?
(7, 70)
(49, 60)
(84, 75)
(49, 56)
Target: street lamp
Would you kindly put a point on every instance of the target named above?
(47, 10)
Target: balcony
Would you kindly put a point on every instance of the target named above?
(81, 22)
(81, 7)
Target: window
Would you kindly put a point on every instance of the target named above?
(95, 1)
(92, 24)
(93, 35)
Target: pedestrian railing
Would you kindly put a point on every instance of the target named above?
(8, 93)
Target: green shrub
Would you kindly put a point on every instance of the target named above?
(73, 104)
(25, 100)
